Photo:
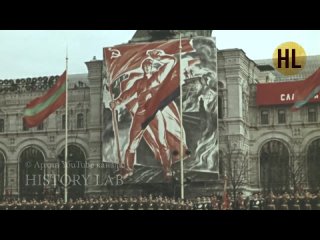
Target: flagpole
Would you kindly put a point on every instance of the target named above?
(181, 125)
(66, 137)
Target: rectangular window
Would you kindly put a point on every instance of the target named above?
(24, 127)
(80, 120)
(312, 114)
(1, 125)
(40, 126)
(63, 122)
(264, 117)
(220, 107)
(281, 116)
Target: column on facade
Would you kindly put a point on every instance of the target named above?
(94, 123)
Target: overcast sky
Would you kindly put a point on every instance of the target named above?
(42, 53)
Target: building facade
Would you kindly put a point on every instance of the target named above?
(38, 151)
(266, 147)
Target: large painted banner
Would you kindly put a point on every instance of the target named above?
(142, 115)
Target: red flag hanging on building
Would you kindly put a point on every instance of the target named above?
(40, 108)
(308, 90)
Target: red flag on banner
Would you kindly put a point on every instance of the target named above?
(125, 58)
(128, 59)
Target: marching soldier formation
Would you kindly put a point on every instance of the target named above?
(285, 201)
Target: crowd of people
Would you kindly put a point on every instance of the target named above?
(285, 201)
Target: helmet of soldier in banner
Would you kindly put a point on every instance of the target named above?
(147, 65)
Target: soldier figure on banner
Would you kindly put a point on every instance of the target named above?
(157, 122)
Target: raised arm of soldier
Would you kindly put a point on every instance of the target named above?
(125, 96)
(166, 60)
(152, 78)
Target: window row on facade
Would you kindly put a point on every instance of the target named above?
(79, 125)
(281, 115)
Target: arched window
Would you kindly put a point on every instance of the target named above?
(77, 159)
(220, 85)
(31, 174)
(274, 167)
(314, 165)
(2, 167)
